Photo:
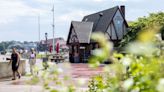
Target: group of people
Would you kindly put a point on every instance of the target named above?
(15, 62)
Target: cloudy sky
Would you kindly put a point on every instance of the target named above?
(19, 18)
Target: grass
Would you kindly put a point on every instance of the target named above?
(40, 56)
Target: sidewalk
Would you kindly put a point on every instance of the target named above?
(20, 88)
(20, 85)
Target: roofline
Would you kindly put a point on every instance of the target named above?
(81, 21)
(113, 17)
(90, 33)
(67, 42)
(111, 20)
(123, 17)
(100, 11)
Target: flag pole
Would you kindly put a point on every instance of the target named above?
(53, 29)
(39, 27)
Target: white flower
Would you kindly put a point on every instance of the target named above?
(51, 64)
(81, 81)
(160, 86)
(128, 83)
(107, 69)
(141, 48)
(44, 75)
(126, 61)
(97, 52)
(59, 70)
(137, 89)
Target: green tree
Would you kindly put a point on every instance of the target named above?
(154, 19)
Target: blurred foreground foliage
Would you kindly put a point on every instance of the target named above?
(139, 70)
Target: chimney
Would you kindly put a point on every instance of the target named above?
(122, 8)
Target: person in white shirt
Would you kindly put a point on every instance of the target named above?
(32, 60)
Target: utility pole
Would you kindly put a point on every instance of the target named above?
(38, 32)
(39, 28)
(53, 29)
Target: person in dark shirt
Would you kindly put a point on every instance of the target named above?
(15, 60)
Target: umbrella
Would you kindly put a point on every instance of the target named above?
(57, 47)
(50, 48)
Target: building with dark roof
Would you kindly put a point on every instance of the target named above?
(111, 22)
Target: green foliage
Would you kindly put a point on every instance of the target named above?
(3, 45)
(40, 56)
(102, 54)
(53, 79)
(139, 71)
(154, 19)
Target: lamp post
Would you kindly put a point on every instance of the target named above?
(46, 35)
(45, 59)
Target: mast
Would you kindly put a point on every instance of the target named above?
(39, 28)
(53, 29)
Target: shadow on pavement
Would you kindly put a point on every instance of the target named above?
(6, 79)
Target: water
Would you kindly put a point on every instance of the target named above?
(3, 58)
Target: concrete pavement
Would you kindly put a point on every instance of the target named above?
(77, 71)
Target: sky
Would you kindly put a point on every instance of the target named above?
(19, 18)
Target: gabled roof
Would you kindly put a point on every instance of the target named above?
(83, 31)
(102, 19)
(97, 22)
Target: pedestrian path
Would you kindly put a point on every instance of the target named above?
(78, 71)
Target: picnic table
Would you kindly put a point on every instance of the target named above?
(58, 58)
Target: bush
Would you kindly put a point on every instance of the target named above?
(140, 70)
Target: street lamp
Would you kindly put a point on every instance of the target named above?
(46, 58)
(46, 35)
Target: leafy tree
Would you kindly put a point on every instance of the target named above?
(154, 19)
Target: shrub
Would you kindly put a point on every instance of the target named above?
(140, 70)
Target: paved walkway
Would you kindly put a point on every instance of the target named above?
(77, 71)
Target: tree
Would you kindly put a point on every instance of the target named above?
(154, 19)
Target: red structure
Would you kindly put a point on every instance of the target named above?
(50, 48)
(58, 41)
(57, 47)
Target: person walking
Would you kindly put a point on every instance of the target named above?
(32, 60)
(15, 60)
